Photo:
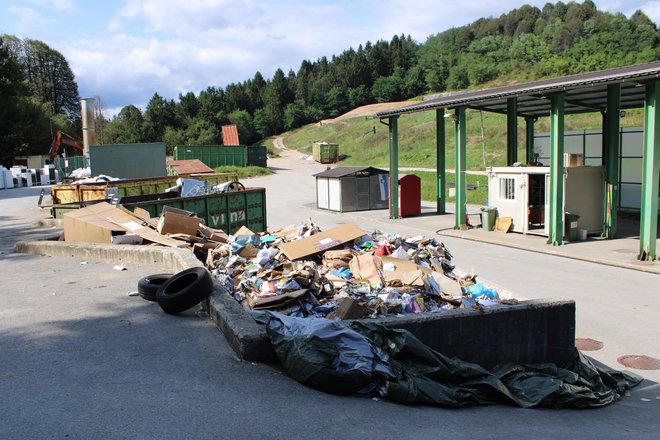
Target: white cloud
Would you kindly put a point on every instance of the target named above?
(28, 19)
(60, 5)
(651, 9)
(171, 46)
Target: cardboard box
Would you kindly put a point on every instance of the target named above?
(174, 223)
(367, 267)
(91, 224)
(348, 308)
(322, 241)
(101, 222)
(243, 230)
(573, 160)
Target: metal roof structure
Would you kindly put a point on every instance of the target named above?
(189, 166)
(585, 92)
(230, 135)
(347, 171)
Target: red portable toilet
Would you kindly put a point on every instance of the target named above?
(410, 195)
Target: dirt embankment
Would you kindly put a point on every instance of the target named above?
(368, 110)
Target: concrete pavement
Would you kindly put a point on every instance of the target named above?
(91, 361)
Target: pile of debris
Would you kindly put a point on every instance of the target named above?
(344, 272)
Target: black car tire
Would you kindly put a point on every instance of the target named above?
(184, 290)
(149, 285)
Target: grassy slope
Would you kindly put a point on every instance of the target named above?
(357, 140)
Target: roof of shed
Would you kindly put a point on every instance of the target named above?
(585, 92)
(346, 171)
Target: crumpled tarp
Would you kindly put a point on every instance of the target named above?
(403, 369)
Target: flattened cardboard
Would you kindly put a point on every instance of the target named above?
(414, 278)
(447, 284)
(367, 267)
(243, 231)
(175, 223)
(217, 235)
(503, 224)
(348, 308)
(249, 251)
(403, 265)
(320, 242)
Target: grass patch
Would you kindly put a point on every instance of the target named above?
(364, 140)
(476, 196)
(245, 172)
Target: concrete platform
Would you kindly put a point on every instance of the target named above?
(532, 331)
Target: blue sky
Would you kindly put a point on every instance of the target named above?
(126, 50)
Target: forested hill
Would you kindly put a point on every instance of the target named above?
(525, 44)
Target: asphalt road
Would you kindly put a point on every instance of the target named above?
(83, 359)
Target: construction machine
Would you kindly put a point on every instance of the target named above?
(63, 139)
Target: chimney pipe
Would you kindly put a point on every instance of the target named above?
(88, 124)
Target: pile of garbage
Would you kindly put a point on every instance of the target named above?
(344, 272)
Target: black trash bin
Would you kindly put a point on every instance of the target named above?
(571, 226)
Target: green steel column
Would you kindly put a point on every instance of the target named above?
(440, 158)
(511, 131)
(529, 141)
(611, 159)
(461, 159)
(556, 220)
(648, 221)
(394, 166)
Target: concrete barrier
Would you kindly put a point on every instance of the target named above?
(528, 332)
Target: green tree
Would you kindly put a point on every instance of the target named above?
(359, 95)
(387, 89)
(294, 115)
(49, 76)
(243, 120)
(458, 78)
(129, 126)
(24, 123)
(159, 114)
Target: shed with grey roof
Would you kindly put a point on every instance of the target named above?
(357, 188)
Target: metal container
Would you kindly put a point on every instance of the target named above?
(58, 210)
(128, 161)
(213, 155)
(324, 152)
(65, 166)
(226, 211)
(131, 187)
(257, 156)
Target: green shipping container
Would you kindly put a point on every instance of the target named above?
(324, 152)
(213, 155)
(226, 211)
(257, 156)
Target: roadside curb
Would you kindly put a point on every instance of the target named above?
(642, 267)
(248, 340)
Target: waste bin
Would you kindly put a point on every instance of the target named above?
(571, 226)
(410, 195)
(488, 218)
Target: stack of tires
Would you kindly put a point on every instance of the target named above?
(179, 292)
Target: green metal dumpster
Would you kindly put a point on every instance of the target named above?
(226, 211)
(257, 156)
(129, 187)
(324, 152)
(213, 155)
(571, 226)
